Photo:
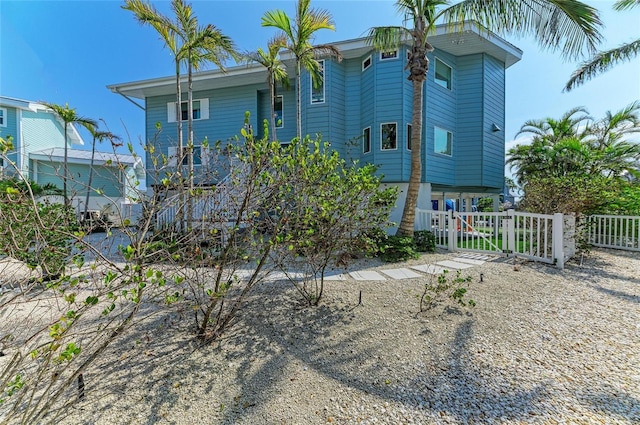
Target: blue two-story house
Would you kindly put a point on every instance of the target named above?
(363, 108)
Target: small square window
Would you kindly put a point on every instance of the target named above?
(388, 135)
(388, 55)
(185, 112)
(443, 74)
(366, 63)
(366, 140)
(442, 141)
(409, 137)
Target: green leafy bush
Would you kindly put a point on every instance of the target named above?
(425, 241)
(445, 286)
(398, 248)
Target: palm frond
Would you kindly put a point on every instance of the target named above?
(625, 4)
(386, 39)
(602, 62)
(280, 20)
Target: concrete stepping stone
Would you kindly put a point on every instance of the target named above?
(366, 275)
(471, 261)
(476, 256)
(335, 276)
(429, 268)
(401, 273)
(456, 265)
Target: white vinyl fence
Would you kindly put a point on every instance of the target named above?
(614, 231)
(539, 237)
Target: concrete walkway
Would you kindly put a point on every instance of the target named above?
(460, 262)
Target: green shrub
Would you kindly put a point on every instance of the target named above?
(425, 241)
(446, 286)
(398, 248)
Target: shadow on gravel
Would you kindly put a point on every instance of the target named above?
(616, 404)
(632, 298)
(366, 358)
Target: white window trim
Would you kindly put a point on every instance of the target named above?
(204, 110)
(434, 141)
(4, 117)
(389, 59)
(172, 158)
(363, 140)
(435, 65)
(282, 114)
(324, 85)
(368, 58)
(390, 149)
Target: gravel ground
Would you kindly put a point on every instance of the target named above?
(542, 346)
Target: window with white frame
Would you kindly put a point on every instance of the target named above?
(443, 74)
(366, 63)
(277, 111)
(317, 88)
(3, 117)
(442, 141)
(388, 135)
(388, 55)
(200, 110)
(366, 140)
(199, 155)
(409, 137)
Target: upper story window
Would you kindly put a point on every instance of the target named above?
(366, 140)
(317, 89)
(409, 137)
(442, 141)
(366, 63)
(388, 55)
(3, 117)
(277, 111)
(443, 74)
(200, 110)
(388, 135)
(198, 152)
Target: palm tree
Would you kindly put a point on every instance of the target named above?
(568, 25)
(276, 71)
(69, 117)
(604, 61)
(299, 35)
(552, 130)
(146, 13)
(97, 136)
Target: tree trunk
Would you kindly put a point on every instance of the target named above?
(190, 141)
(272, 86)
(407, 224)
(180, 149)
(86, 201)
(67, 203)
(298, 89)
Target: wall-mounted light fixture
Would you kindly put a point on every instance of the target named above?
(495, 128)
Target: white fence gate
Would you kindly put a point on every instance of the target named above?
(538, 237)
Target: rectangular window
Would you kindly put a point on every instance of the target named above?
(277, 111)
(442, 141)
(388, 55)
(317, 89)
(443, 74)
(200, 110)
(366, 63)
(197, 155)
(408, 136)
(366, 140)
(185, 111)
(3, 117)
(388, 135)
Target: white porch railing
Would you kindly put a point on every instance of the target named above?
(614, 231)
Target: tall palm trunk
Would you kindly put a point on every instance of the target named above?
(67, 201)
(190, 136)
(299, 99)
(86, 201)
(272, 93)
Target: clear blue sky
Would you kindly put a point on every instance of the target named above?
(68, 51)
